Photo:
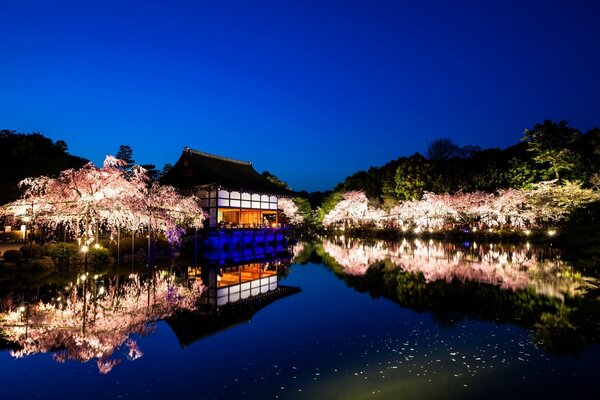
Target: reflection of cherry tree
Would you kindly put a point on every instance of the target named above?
(86, 323)
(515, 268)
(297, 249)
(355, 261)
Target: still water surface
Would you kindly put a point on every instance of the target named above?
(374, 320)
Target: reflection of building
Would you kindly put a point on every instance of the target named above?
(232, 192)
(239, 292)
(233, 293)
(189, 327)
(234, 282)
(230, 284)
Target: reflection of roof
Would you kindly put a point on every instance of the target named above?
(190, 327)
(195, 168)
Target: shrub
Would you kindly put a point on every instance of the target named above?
(140, 243)
(12, 256)
(32, 251)
(62, 253)
(99, 255)
(39, 264)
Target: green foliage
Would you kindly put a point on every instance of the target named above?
(581, 229)
(275, 180)
(549, 150)
(520, 174)
(38, 264)
(12, 256)
(140, 247)
(62, 253)
(100, 255)
(552, 203)
(152, 171)
(166, 168)
(551, 144)
(388, 203)
(329, 204)
(595, 181)
(588, 151)
(306, 253)
(364, 181)
(305, 210)
(412, 177)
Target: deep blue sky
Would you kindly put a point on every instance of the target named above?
(311, 91)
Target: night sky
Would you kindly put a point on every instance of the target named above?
(311, 91)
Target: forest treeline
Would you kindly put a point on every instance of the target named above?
(548, 151)
(29, 155)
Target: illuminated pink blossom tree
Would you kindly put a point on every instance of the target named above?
(354, 209)
(89, 197)
(290, 209)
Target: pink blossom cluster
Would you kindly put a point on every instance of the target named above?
(354, 209)
(545, 203)
(290, 209)
(108, 196)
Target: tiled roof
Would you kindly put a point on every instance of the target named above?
(195, 168)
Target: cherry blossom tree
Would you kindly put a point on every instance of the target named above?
(290, 209)
(431, 212)
(89, 197)
(508, 208)
(353, 209)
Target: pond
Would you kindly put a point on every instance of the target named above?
(343, 319)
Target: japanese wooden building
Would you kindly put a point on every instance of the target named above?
(232, 192)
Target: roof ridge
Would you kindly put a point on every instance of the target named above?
(202, 153)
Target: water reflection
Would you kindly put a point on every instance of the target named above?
(231, 283)
(99, 318)
(93, 318)
(529, 286)
(510, 267)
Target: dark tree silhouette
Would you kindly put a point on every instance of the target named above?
(442, 150)
(30, 154)
(125, 153)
